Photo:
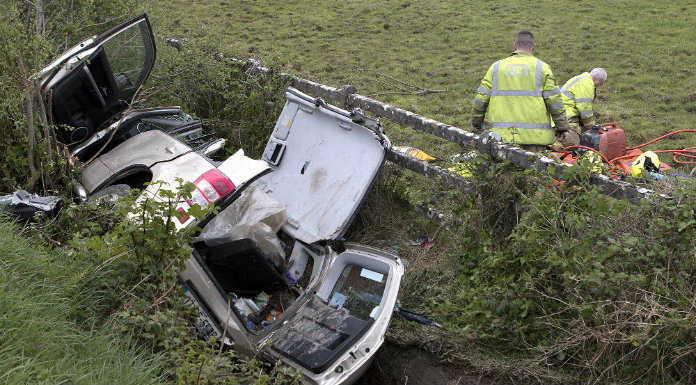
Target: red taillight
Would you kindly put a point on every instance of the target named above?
(223, 186)
(210, 187)
(184, 217)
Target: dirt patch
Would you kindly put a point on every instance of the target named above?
(409, 365)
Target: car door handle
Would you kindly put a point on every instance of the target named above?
(93, 83)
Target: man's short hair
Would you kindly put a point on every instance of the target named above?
(524, 40)
(599, 73)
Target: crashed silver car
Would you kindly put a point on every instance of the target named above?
(269, 272)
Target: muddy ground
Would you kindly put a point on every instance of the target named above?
(410, 365)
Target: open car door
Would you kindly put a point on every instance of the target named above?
(96, 80)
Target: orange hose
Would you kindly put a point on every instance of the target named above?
(660, 138)
(622, 157)
(689, 152)
(590, 149)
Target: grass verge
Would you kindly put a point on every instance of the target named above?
(39, 339)
(445, 45)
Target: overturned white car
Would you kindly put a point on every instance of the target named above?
(269, 272)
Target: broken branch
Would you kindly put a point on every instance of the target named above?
(113, 133)
(420, 90)
(44, 120)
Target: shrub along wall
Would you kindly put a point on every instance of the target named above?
(563, 277)
(241, 107)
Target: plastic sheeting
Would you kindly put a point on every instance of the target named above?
(23, 198)
(22, 206)
(254, 215)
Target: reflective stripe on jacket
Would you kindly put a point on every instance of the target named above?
(578, 95)
(519, 93)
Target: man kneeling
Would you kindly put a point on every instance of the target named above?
(578, 96)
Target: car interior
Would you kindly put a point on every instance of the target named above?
(261, 287)
(342, 310)
(104, 84)
(173, 122)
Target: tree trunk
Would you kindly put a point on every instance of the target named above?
(31, 135)
(40, 17)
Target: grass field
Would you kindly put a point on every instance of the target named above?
(646, 48)
(40, 343)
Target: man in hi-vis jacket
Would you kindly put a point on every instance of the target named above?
(578, 95)
(521, 98)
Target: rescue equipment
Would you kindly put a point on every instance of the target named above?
(608, 141)
(414, 152)
(645, 163)
(594, 160)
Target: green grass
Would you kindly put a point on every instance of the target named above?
(645, 46)
(40, 343)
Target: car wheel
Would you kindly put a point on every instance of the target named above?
(111, 193)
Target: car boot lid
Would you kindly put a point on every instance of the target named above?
(324, 161)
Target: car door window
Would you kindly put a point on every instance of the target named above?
(129, 54)
(359, 290)
(109, 72)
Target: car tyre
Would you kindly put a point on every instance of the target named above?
(111, 193)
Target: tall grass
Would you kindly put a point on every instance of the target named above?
(40, 342)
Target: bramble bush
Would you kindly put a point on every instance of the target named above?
(210, 83)
(136, 267)
(599, 288)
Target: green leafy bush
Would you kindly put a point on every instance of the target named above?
(240, 106)
(136, 265)
(598, 287)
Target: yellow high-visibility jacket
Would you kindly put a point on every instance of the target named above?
(519, 93)
(578, 95)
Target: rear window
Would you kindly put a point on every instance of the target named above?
(358, 290)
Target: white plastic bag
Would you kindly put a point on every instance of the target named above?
(254, 215)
